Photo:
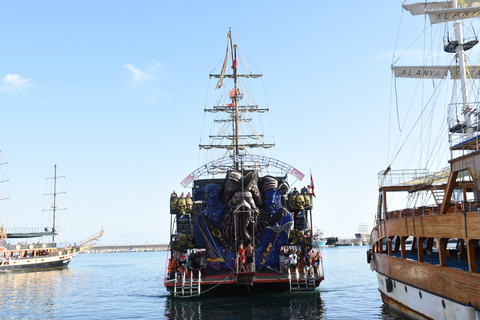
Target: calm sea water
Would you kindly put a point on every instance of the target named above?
(130, 286)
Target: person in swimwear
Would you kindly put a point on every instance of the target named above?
(241, 258)
(249, 253)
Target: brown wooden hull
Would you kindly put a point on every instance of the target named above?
(448, 283)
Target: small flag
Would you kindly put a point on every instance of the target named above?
(312, 185)
(297, 174)
(187, 181)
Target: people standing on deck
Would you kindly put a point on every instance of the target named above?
(313, 258)
(317, 262)
(202, 263)
(307, 262)
(249, 252)
(172, 267)
(293, 260)
(241, 258)
(304, 190)
(281, 262)
(183, 262)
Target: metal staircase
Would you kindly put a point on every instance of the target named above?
(187, 286)
(301, 282)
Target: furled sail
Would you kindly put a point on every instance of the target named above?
(438, 72)
(420, 8)
(446, 15)
(224, 67)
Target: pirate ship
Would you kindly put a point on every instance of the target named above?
(240, 229)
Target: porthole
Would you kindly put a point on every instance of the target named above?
(420, 294)
(405, 288)
(443, 304)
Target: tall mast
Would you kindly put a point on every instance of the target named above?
(54, 201)
(460, 53)
(54, 206)
(235, 103)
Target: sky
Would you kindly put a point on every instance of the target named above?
(113, 93)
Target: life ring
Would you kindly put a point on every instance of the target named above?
(17, 247)
(44, 245)
(31, 246)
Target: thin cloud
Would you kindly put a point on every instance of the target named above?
(144, 82)
(138, 76)
(156, 64)
(14, 82)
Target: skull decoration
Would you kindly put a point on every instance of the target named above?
(308, 201)
(300, 201)
(181, 205)
(173, 204)
(189, 204)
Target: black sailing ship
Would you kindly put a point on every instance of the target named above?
(241, 229)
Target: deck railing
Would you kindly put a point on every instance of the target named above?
(399, 177)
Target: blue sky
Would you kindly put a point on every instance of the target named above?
(113, 93)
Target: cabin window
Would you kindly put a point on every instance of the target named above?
(384, 247)
(473, 250)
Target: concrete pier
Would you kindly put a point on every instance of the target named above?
(128, 248)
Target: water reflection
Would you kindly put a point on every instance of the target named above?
(271, 306)
(23, 291)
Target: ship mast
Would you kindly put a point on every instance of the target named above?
(54, 201)
(235, 103)
(55, 206)
(460, 53)
(237, 141)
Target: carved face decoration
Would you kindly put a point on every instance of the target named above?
(270, 201)
(300, 201)
(212, 197)
(189, 204)
(308, 202)
(173, 204)
(181, 205)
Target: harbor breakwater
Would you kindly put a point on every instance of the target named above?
(128, 248)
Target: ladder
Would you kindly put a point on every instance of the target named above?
(301, 283)
(185, 286)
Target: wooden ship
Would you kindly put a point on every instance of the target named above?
(427, 253)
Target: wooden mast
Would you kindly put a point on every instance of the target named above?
(235, 103)
(54, 201)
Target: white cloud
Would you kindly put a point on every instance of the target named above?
(144, 83)
(14, 82)
(138, 76)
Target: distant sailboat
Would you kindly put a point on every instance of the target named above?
(38, 255)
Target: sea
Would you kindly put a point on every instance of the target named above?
(129, 285)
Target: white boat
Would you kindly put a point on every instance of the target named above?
(442, 197)
(33, 252)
